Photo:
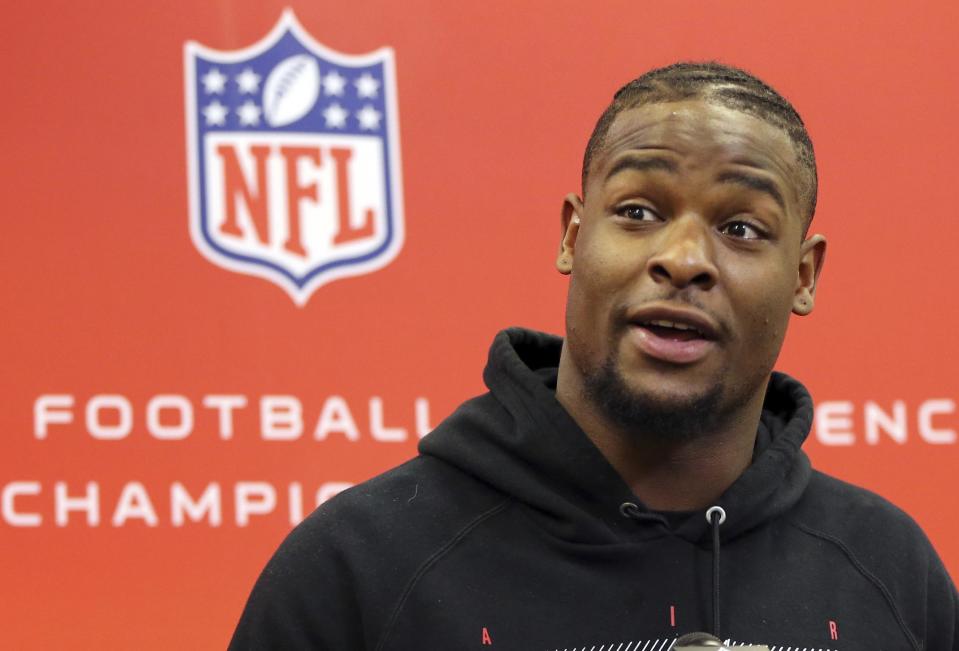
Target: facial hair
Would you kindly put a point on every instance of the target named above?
(656, 419)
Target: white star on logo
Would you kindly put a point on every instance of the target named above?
(249, 113)
(215, 113)
(333, 83)
(366, 85)
(248, 81)
(214, 81)
(335, 116)
(369, 117)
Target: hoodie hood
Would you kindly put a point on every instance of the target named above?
(519, 439)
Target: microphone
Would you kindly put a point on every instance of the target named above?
(707, 642)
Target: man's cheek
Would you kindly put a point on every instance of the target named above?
(586, 290)
(757, 323)
(769, 332)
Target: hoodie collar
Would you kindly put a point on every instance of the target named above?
(521, 441)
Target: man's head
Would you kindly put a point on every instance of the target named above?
(687, 252)
(719, 84)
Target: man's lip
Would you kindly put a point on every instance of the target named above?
(675, 351)
(707, 327)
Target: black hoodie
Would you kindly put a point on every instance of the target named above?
(509, 531)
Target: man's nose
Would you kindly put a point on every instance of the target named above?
(683, 254)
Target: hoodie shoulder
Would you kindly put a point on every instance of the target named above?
(833, 503)
(889, 549)
(411, 508)
(338, 577)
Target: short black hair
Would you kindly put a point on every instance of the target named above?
(721, 84)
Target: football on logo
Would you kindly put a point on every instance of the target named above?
(293, 159)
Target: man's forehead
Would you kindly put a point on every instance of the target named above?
(702, 128)
(703, 132)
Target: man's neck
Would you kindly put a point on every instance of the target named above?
(667, 475)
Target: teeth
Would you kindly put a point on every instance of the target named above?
(671, 324)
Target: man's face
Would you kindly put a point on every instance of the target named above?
(686, 256)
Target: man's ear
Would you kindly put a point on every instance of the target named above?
(811, 257)
(570, 216)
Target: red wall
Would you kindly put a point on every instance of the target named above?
(105, 293)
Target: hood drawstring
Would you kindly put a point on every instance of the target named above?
(715, 516)
(633, 512)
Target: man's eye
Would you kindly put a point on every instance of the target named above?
(742, 230)
(638, 213)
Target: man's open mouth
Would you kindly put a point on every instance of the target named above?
(674, 333)
(672, 330)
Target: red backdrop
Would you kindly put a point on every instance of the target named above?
(104, 292)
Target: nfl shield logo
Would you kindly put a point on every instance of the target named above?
(294, 163)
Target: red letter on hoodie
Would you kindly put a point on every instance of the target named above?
(487, 640)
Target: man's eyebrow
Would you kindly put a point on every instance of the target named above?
(642, 164)
(754, 183)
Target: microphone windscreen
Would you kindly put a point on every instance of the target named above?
(698, 640)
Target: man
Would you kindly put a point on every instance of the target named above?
(642, 478)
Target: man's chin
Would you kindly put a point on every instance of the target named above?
(665, 408)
